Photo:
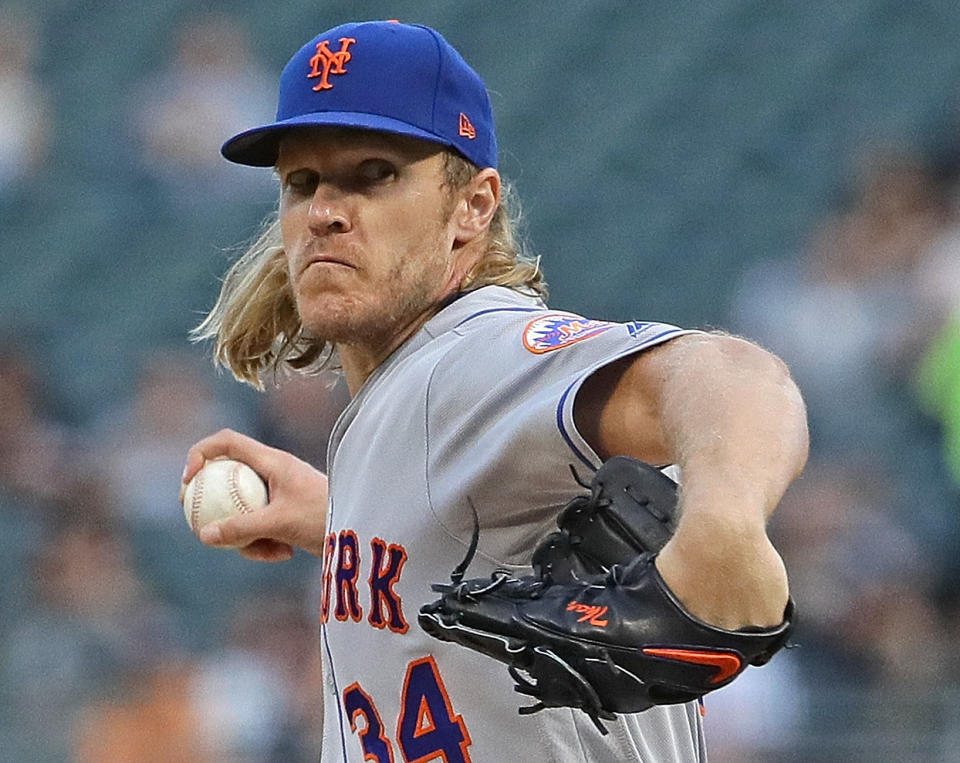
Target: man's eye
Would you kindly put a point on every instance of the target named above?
(302, 181)
(376, 171)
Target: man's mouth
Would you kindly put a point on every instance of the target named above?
(325, 260)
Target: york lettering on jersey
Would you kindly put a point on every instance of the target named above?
(348, 570)
(343, 561)
(386, 563)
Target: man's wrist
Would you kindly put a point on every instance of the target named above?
(727, 583)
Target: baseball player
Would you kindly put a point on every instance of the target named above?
(393, 257)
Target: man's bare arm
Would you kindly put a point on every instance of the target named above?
(729, 414)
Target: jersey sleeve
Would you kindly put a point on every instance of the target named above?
(500, 429)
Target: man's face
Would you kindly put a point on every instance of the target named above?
(364, 218)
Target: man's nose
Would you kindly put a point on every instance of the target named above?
(328, 213)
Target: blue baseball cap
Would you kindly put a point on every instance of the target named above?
(378, 75)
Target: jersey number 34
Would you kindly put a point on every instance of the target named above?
(427, 728)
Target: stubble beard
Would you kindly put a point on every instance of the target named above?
(383, 311)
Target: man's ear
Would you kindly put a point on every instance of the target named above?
(479, 201)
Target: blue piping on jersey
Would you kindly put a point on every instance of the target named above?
(323, 631)
(336, 690)
(563, 431)
(646, 342)
(500, 310)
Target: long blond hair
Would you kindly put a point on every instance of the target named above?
(255, 326)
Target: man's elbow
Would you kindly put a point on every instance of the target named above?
(765, 371)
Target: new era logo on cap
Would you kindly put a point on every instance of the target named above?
(467, 130)
(399, 78)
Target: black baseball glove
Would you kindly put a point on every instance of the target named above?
(595, 627)
(631, 509)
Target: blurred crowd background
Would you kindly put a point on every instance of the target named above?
(787, 171)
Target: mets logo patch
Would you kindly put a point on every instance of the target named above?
(551, 332)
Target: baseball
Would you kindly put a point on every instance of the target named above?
(222, 488)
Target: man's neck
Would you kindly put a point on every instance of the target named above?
(358, 360)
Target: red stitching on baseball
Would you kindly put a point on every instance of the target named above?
(239, 504)
(195, 502)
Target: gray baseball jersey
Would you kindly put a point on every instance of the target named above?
(479, 405)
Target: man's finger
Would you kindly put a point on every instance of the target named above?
(211, 535)
(242, 529)
(230, 444)
(266, 550)
(259, 550)
(233, 532)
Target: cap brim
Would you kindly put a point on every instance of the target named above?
(260, 146)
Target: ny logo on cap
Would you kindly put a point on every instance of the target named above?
(325, 63)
